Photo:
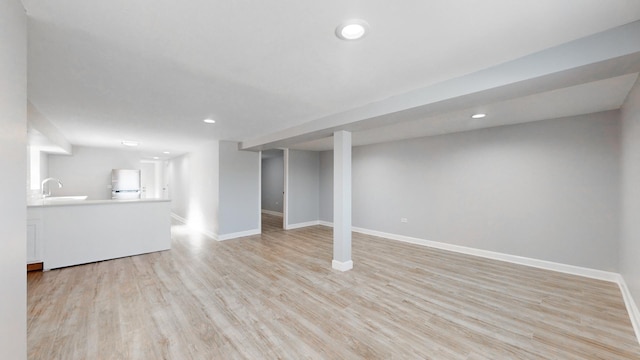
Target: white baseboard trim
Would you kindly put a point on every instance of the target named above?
(179, 218)
(209, 234)
(325, 223)
(632, 308)
(217, 237)
(342, 265)
(239, 234)
(521, 260)
(301, 225)
(270, 212)
(195, 228)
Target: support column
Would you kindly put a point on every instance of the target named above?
(342, 201)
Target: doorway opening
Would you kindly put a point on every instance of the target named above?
(272, 190)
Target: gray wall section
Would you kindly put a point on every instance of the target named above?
(545, 190)
(88, 170)
(239, 189)
(13, 162)
(630, 183)
(326, 186)
(273, 181)
(304, 182)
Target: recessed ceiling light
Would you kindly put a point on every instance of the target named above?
(478, 116)
(155, 158)
(352, 29)
(209, 121)
(130, 143)
(166, 152)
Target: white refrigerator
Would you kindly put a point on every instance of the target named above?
(125, 184)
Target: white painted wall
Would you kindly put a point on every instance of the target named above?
(56, 141)
(192, 181)
(239, 191)
(216, 189)
(630, 193)
(88, 170)
(44, 167)
(546, 190)
(304, 187)
(37, 170)
(326, 186)
(34, 167)
(272, 175)
(151, 178)
(13, 161)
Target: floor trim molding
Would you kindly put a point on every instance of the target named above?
(216, 237)
(179, 218)
(325, 223)
(632, 308)
(302, 224)
(342, 265)
(521, 260)
(239, 234)
(195, 228)
(270, 212)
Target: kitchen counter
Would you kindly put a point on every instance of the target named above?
(46, 202)
(73, 232)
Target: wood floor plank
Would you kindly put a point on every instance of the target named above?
(275, 296)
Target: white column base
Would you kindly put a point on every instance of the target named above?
(342, 266)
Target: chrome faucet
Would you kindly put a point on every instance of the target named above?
(48, 193)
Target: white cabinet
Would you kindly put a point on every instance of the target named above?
(34, 241)
(67, 233)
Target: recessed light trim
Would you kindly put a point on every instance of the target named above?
(166, 152)
(130, 143)
(209, 121)
(478, 116)
(352, 29)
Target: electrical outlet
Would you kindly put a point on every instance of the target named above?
(404, 220)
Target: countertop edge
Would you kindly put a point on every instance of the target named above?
(45, 203)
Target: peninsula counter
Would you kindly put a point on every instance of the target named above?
(66, 233)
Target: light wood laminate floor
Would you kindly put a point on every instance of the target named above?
(275, 296)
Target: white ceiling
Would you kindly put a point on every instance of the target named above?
(152, 70)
